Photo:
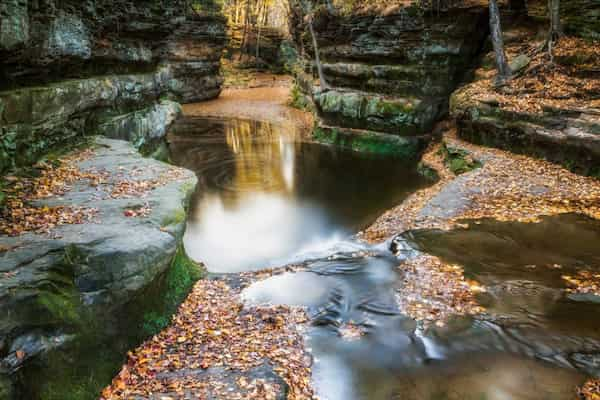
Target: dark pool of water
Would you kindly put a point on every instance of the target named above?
(265, 197)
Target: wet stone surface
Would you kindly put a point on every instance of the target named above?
(485, 310)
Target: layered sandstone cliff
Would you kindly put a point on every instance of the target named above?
(73, 68)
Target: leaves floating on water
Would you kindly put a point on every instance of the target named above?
(433, 291)
(351, 331)
(585, 282)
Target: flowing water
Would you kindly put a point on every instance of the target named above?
(266, 199)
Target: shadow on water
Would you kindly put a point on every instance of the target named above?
(265, 196)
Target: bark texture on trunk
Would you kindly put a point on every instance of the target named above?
(554, 14)
(502, 66)
(246, 23)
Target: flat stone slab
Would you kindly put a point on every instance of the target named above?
(48, 281)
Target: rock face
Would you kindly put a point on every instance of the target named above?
(559, 130)
(567, 136)
(70, 68)
(391, 73)
(75, 288)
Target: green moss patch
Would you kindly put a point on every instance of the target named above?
(370, 142)
(176, 286)
(91, 359)
(299, 100)
(459, 161)
(428, 172)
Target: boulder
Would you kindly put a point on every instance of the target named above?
(66, 72)
(85, 285)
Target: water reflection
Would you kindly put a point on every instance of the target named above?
(265, 197)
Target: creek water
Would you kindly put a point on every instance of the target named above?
(266, 199)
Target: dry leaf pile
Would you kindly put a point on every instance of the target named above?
(585, 282)
(590, 391)
(213, 329)
(519, 188)
(570, 82)
(509, 187)
(18, 214)
(433, 291)
(138, 212)
(130, 188)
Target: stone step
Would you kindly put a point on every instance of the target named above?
(402, 116)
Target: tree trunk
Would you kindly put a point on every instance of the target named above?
(555, 28)
(245, 35)
(504, 72)
(258, 28)
(554, 14)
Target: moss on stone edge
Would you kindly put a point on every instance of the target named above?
(299, 100)
(370, 142)
(459, 161)
(178, 282)
(94, 369)
(428, 172)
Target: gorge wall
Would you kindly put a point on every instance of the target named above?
(73, 300)
(74, 68)
(390, 72)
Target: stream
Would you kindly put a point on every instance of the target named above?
(267, 199)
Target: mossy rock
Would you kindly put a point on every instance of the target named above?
(356, 110)
(371, 142)
(91, 361)
(459, 161)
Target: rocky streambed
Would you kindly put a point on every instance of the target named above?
(455, 293)
(451, 307)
